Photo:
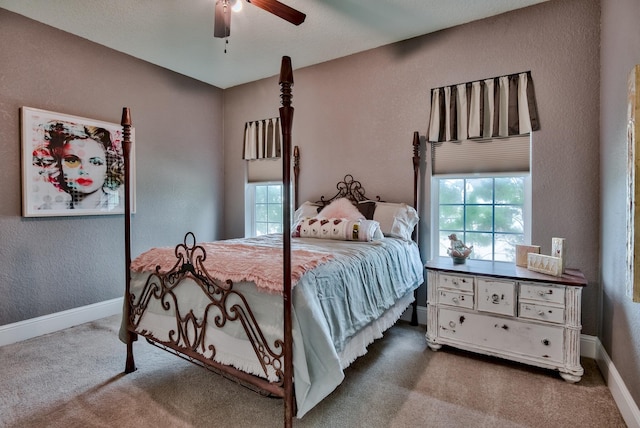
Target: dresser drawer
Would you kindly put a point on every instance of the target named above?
(497, 297)
(509, 336)
(542, 293)
(455, 298)
(542, 312)
(456, 282)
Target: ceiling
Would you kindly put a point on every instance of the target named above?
(178, 34)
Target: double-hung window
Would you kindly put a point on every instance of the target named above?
(476, 197)
(489, 211)
(263, 207)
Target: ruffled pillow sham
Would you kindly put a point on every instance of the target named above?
(396, 220)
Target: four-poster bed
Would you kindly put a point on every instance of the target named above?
(263, 311)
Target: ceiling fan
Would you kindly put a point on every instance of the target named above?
(222, 21)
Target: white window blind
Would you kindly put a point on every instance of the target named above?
(495, 155)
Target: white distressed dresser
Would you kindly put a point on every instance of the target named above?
(503, 310)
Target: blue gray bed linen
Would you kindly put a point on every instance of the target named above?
(338, 299)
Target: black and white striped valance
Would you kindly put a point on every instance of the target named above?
(497, 107)
(262, 139)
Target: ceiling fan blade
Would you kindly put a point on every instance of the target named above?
(281, 10)
(222, 19)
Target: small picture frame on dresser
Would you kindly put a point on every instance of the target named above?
(522, 251)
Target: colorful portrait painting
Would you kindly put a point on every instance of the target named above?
(70, 165)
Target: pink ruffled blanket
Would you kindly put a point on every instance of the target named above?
(259, 260)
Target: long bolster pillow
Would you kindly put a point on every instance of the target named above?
(338, 228)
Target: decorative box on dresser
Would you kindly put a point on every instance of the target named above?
(503, 310)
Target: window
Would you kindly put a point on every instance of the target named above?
(490, 212)
(263, 207)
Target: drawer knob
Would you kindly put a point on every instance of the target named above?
(541, 313)
(452, 324)
(495, 298)
(455, 300)
(545, 342)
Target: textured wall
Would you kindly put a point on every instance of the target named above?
(357, 115)
(620, 51)
(54, 264)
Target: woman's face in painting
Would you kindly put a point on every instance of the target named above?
(84, 165)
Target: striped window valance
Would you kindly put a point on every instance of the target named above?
(262, 139)
(498, 107)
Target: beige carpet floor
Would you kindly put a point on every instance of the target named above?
(73, 378)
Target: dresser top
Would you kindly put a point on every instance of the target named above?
(505, 270)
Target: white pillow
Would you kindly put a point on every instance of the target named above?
(396, 220)
(306, 210)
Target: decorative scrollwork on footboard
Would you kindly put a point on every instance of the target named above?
(223, 305)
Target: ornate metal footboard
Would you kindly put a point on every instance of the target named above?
(224, 305)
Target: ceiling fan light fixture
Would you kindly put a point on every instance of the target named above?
(236, 5)
(223, 9)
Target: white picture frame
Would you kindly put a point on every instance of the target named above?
(72, 166)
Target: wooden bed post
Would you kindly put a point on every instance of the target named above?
(130, 365)
(416, 175)
(296, 175)
(286, 118)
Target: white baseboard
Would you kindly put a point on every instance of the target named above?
(23, 330)
(589, 346)
(422, 315)
(622, 397)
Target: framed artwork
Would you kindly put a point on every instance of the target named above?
(633, 186)
(72, 165)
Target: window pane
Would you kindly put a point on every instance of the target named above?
(261, 194)
(262, 229)
(510, 190)
(479, 191)
(451, 191)
(506, 246)
(509, 219)
(261, 213)
(451, 217)
(479, 218)
(444, 243)
(275, 195)
(275, 228)
(275, 213)
(482, 245)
